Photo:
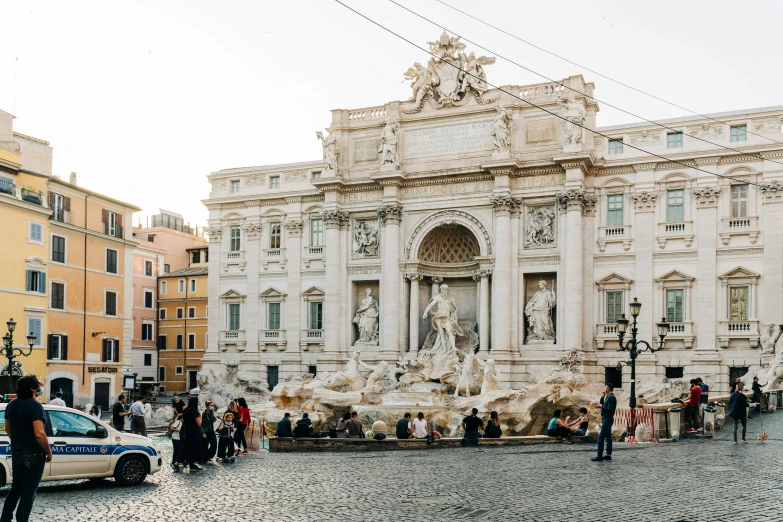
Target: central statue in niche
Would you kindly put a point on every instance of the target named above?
(366, 318)
(539, 314)
(444, 320)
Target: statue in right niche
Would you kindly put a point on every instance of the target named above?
(539, 314)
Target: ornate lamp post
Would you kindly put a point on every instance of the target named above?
(632, 347)
(9, 352)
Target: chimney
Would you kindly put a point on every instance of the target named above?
(73, 178)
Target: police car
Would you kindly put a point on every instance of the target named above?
(86, 448)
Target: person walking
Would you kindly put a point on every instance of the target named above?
(420, 427)
(738, 410)
(692, 408)
(756, 388)
(284, 427)
(242, 421)
(30, 450)
(139, 417)
(608, 407)
(58, 400)
(118, 414)
(471, 425)
(493, 430)
(403, 429)
(191, 426)
(225, 433)
(209, 443)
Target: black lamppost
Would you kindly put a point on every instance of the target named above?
(632, 347)
(9, 352)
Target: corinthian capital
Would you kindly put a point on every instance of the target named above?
(294, 227)
(334, 218)
(644, 201)
(504, 205)
(772, 192)
(707, 197)
(573, 199)
(390, 214)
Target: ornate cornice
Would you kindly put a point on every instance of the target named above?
(709, 160)
(614, 259)
(539, 260)
(390, 214)
(707, 197)
(739, 251)
(645, 167)
(364, 269)
(414, 277)
(575, 199)
(334, 218)
(645, 201)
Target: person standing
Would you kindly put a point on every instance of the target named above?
(692, 408)
(30, 450)
(177, 405)
(403, 428)
(471, 425)
(191, 426)
(58, 400)
(284, 427)
(118, 413)
(175, 425)
(734, 385)
(226, 438)
(208, 426)
(738, 410)
(138, 416)
(756, 387)
(608, 407)
(242, 421)
(705, 392)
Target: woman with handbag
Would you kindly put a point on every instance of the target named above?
(242, 420)
(192, 434)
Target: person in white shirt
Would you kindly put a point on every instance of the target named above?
(58, 400)
(420, 427)
(138, 414)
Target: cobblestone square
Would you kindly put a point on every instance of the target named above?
(696, 480)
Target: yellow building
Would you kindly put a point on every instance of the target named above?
(182, 323)
(25, 168)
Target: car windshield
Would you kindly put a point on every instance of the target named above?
(67, 424)
(2, 423)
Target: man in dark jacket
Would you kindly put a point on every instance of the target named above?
(608, 407)
(304, 427)
(284, 427)
(738, 410)
(756, 387)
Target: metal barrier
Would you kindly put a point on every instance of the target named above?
(632, 418)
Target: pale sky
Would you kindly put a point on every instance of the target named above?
(143, 99)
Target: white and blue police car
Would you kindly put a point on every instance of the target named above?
(86, 448)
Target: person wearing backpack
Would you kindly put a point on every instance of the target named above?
(225, 433)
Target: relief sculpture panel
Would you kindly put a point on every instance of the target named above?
(540, 226)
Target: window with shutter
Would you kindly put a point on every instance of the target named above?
(233, 316)
(161, 373)
(274, 316)
(614, 306)
(162, 342)
(675, 208)
(275, 233)
(614, 211)
(179, 341)
(111, 261)
(316, 315)
(674, 305)
(191, 341)
(148, 268)
(56, 350)
(147, 359)
(148, 299)
(58, 249)
(34, 326)
(58, 296)
(236, 239)
(739, 201)
(111, 303)
(64, 347)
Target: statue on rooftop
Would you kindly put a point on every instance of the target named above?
(330, 150)
(387, 143)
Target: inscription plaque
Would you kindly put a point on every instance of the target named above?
(454, 139)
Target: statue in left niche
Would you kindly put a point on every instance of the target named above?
(330, 150)
(366, 318)
(387, 143)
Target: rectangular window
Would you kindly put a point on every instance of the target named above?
(146, 332)
(674, 305)
(179, 341)
(191, 312)
(614, 306)
(674, 140)
(58, 296)
(180, 313)
(274, 182)
(196, 257)
(110, 351)
(34, 325)
(739, 303)
(181, 286)
(111, 261)
(614, 210)
(616, 146)
(613, 376)
(36, 281)
(166, 268)
(675, 206)
(161, 374)
(111, 224)
(316, 232)
(111, 303)
(233, 316)
(275, 232)
(35, 232)
(316, 315)
(273, 322)
(192, 285)
(312, 370)
(675, 372)
(739, 201)
(191, 341)
(148, 268)
(739, 133)
(162, 342)
(317, 174)
(235, 186)
(162, 313)
(151, 238)
(272, 376)
(236, 239)
(163, 287)
(56, 347)
(178, 370)
(58, 203)
(58, 249)
(147, 359)
(148, 298)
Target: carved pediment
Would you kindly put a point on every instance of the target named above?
(674, 275)
(313, 291)
(739, 273)
(272, 292)
(233, 294)
(615, 279)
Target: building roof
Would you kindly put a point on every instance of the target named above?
(685, 119)
(205, 246)
(189, 271)
(92, 193)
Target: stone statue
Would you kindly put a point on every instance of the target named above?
(770, 334)
(366, 318)
(540, 226)
(467, 371)
(330, 150)
(500, 136)
(489, 382)
(539, 314)
(350, 376)
(444, 320)
(365, 239)
(377, 374)
(387, 144)
(574, 113)
(474, 75)
(421, 82)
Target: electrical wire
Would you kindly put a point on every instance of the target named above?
(757, 155)
(596, 72)
(542, 108)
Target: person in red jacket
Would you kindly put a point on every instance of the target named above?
(243, 414)
(692, 407)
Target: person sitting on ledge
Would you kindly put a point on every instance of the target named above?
(493, 430)
(557, 426)
(304, 427)
(579, 426)
(403, 428)
(284, 427)
(379, 430)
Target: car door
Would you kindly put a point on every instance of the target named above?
(80, 446)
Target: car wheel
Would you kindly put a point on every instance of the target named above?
(131, 470)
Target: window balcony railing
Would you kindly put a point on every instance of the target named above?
(616, 234)
(234, 256)
(747, 330)
(62, 216)
(32, 196)
(605, 332)
(116, 232)
(232, 336)
(312, 252)
(272, 336)
(7, 187)
(739, 226)
(273, 255)
(313, 335)
(675, 230)
(681, 330)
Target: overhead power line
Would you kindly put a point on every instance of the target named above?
(578, 91)
(594, 71)
(685, 165)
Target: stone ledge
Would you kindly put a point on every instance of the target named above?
(290, 445)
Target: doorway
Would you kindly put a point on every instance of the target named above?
(102, 395)
(62, 385)
(192, 379)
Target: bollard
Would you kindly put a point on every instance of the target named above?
(708, 421)
(674, 423)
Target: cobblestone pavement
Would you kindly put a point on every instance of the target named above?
(704, 480)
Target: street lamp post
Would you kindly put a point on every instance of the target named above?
(632, 347)
(9, 352)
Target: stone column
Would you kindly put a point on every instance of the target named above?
(251, 235)
(293, 315)
(501, 292)
(574, 201)
(484, 314)
(215, 233)
(390, 216)
(413, 316)
(435, 282)
(771, 305)
(644, 239)
(515, 315)
(707, 236)
(333, 221)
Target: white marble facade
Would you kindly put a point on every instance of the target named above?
(294, 248)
